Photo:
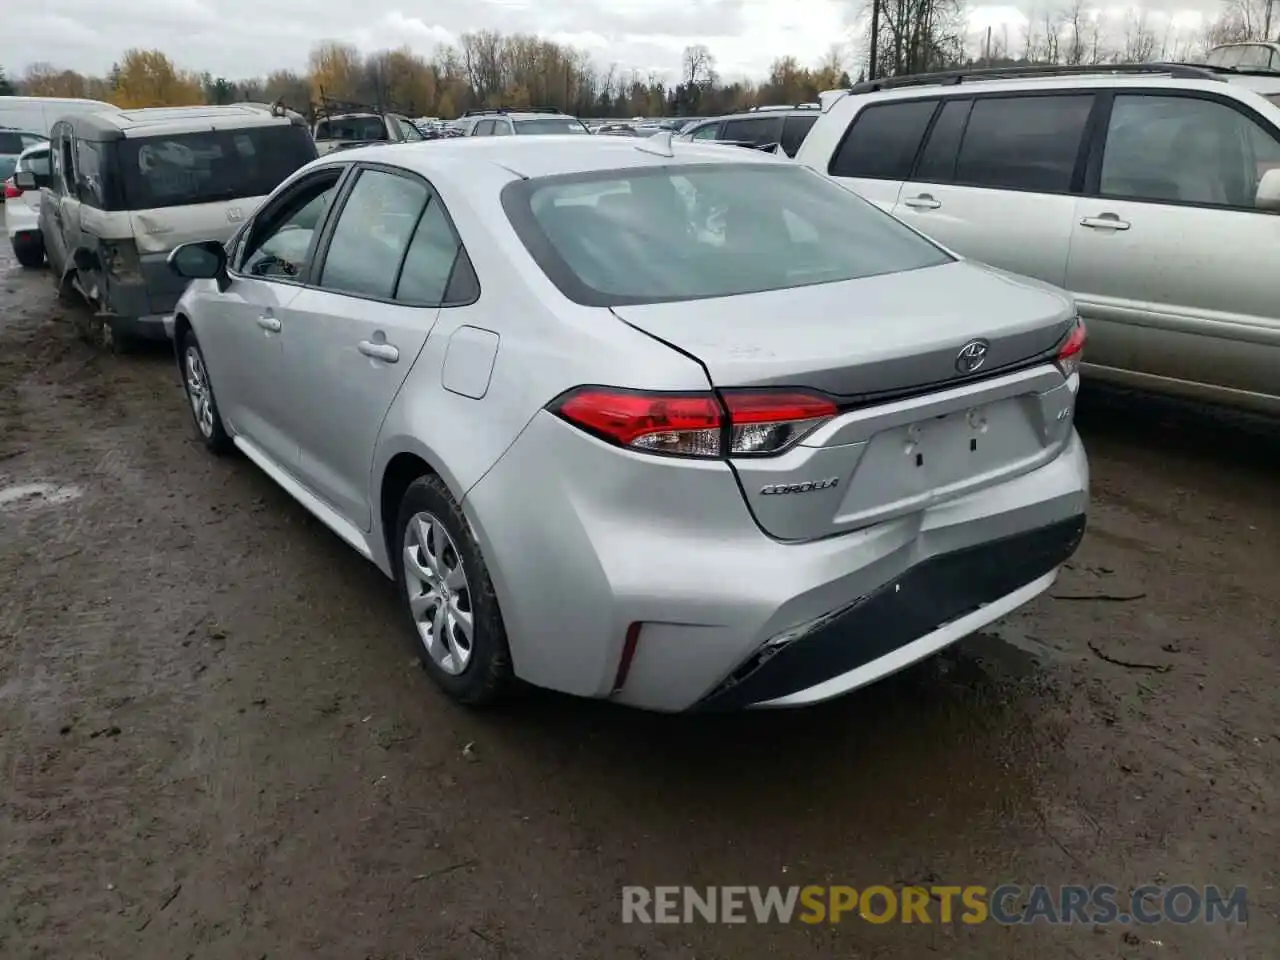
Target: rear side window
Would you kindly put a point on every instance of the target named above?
(938, 160)
(89, 172)
(548, 125)
(429, 262)
(753, 130)
(794, 132)
(372, 235)
(882, 141)
(707, 131)
(1023, 143)
(210, 166)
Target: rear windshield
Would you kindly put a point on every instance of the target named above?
(209, 166)
(707, 230)
(364, 129)
(567, 125)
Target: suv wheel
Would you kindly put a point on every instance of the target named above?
(448, 595)
(204, 409)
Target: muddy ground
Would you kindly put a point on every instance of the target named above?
(214, 742)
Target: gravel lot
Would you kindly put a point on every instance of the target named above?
(214, 742)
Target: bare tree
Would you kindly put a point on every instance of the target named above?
(1139, 40)
(699, 66)
(1077, 22)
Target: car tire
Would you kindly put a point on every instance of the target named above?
(480, 673)
(30, 254)
(199, 393)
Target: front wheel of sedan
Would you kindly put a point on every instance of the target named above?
(448, 595)
(199, 391)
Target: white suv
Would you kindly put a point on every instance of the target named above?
(1150, 192)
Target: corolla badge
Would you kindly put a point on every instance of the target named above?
(972, 356)
(809, 486)
(234, 214)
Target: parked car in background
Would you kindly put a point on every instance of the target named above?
(785, 126)
(1253, 55)
(503, 122)
(663, 423)
(126, 187)
(345, 130)
(12, 144)
(1151, 191)
(616, 130)
(22, 206)
(38, 114)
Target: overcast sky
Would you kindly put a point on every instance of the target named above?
(244, 38)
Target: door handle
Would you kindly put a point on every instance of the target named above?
(922, 202)
(269, 323)
(1105, 221)
(379, 351)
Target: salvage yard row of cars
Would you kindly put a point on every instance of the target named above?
(674, 423)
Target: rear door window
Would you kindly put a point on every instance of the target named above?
(794, 132)
(707, 131)
(938, 159)
(429, 262)
(210, 166)
(372, 234)
(755, 131)
(882, 141)
(1023, 143)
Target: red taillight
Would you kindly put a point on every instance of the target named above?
(1072, 349)
(11, 191)
(696, 424)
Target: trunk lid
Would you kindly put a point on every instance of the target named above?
(914, 429)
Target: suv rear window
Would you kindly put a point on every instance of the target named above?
(756, 131)
(363, 129)
(882, 141)
(209, 166)
(567, 125)
(685, 232)
(795, 131)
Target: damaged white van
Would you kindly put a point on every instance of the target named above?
(126, 187)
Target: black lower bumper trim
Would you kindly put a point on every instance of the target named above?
(928, 596)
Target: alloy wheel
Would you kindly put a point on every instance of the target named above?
(198, 391)
(438, 593)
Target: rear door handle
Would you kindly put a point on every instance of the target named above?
(922, 202)
(1105, 221)
(379, 351)
(269, 323)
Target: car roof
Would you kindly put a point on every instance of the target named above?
(530, 157)
(153, 121)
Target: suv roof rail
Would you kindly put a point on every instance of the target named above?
(782, 106)
(495, 111)
(1238, 71)
(1181, 71)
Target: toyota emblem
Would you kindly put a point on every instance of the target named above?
(972, 356)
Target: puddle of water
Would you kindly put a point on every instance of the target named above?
(1010, 650)
(32, 495)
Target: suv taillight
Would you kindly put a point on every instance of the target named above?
(735, 423)
(1072, 349)
(11, 190)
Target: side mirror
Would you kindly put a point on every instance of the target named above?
(768, 147)
(1268, 197)
(25, 180)
(202, 260)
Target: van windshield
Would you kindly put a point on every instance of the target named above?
(211, 165)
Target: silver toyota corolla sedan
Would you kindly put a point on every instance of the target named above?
(655, 422)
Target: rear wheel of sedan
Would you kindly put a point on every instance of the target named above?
(199, 391)
(448, 595)
(30, 253)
